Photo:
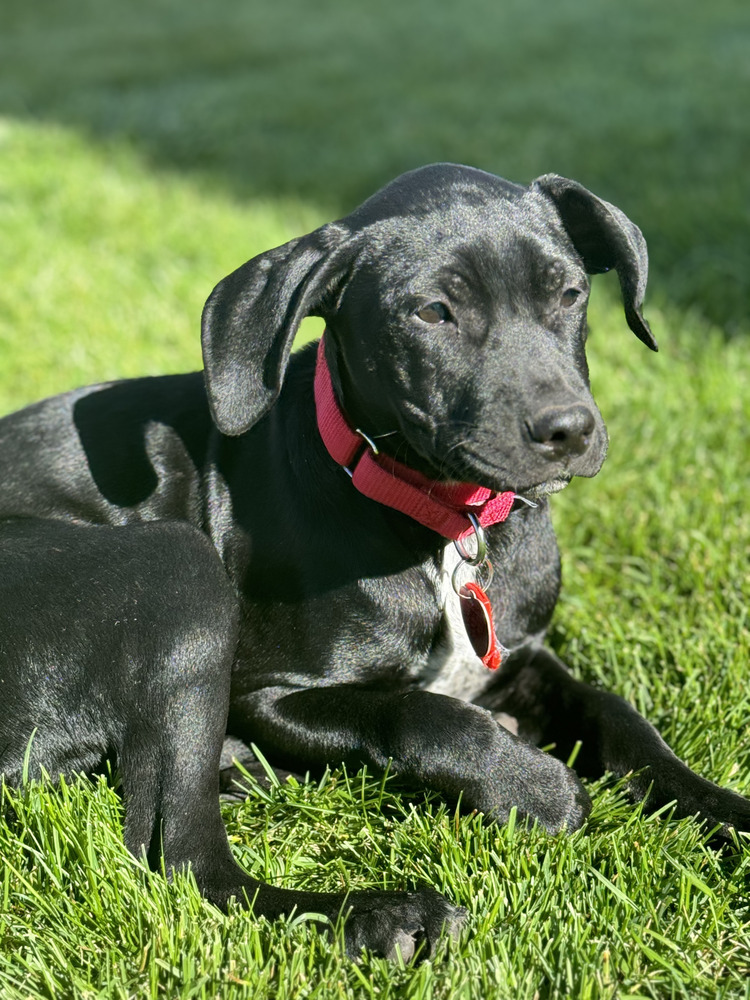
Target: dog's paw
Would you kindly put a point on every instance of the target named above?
(715, 808)
(545, 791)
(576, 804)
(733, 816)
(565, 807)
(720, 810)
(409, 924)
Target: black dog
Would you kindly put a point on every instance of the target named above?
(455, 305)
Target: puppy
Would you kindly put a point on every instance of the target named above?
(379, 503)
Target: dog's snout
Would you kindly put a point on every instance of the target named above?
(560, 431)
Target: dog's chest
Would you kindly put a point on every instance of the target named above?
(453, 667)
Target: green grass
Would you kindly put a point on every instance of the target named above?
(632, 907)
(146, 149)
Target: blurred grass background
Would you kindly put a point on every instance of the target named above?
(149, 146)
(147, 149)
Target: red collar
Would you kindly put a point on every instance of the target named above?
(443, 507)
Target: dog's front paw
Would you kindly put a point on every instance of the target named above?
(405, 923)
(576, 804)
(714, 807)
(731, 812)
(565, 806)
(543, 790)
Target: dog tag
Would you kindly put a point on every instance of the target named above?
(477, 615)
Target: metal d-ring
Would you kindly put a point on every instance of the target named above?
(481, 554)
(482, 574)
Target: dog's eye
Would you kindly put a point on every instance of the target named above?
(435, 312)
(569, 297)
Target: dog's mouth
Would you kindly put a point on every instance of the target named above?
(462, 465)
(435, 451)
(466, 464)
(546, 489)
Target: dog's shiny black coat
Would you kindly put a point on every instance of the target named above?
(456, 311)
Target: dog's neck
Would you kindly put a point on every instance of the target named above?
(450, 509)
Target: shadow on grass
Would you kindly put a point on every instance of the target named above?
(327, 101)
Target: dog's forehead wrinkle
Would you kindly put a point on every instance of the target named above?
(509, 271)
(479, 275)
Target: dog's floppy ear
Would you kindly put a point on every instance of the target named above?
(605, 238)
(251, 317)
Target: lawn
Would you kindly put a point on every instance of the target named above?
(148, 148)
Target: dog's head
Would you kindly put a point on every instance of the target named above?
(456, 309)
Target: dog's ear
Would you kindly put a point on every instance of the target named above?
(251, 317)
(605, 238)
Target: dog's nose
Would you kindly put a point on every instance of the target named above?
(559, 431)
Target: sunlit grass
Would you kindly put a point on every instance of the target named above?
(633, 906)
(105, 266)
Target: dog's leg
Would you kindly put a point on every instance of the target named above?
(429, 739)
(173, 770)
(177, 804)
(552, 707)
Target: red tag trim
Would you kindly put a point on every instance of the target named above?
(476, 610)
